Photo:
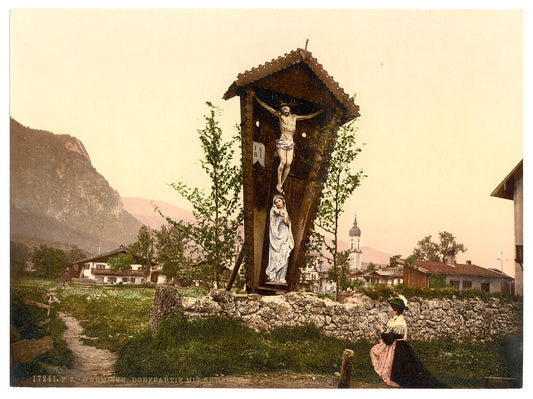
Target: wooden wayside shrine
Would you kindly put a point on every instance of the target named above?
(298, 80)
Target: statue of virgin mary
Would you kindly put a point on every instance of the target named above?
(281, 241)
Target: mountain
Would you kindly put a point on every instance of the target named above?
(143, 210)
(57, 196)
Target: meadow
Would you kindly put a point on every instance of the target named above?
(117, 318)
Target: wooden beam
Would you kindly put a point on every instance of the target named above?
(38, 304)
(14, 335)
(235, 268)
(252, 270)
(25, 350)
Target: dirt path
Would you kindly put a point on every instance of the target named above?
(88, 360)
(94, 368)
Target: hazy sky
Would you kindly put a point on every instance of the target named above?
(440, 96)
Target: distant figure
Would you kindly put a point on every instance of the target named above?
(281, 241)
(285, 144)
(394, 359)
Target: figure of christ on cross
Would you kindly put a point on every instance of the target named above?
(285, 144)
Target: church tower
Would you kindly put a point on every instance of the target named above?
(355, 246)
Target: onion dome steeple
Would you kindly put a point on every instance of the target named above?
(355, 231)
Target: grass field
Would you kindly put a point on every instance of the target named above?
(191, 349)
(109, 316)
(117, 318)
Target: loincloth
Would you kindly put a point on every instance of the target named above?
(284, 145)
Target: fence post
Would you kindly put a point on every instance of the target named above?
(346, 369)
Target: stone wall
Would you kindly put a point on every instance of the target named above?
(352, 319)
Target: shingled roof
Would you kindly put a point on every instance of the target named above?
(506, 188)
(105, 256)
(120, 250)
(288, 60)
(458, 269)
(392, 272)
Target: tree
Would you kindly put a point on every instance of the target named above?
(437, 281)
(76, 254)
(429, 250)
(49, 262)
(447, 242)
(217, 212)
(121, 262)
(19, 254)
(358, 283)
(170, 248)
(144, 249)
(370, 268)
(394, 261)
(343, 271)
(340, 183)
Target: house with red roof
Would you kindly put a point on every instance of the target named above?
(458, 276)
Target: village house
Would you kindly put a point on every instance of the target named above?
(387, 276)
(310, 279)
(458, 276)
(97, 270)
(325, 286)
(355, 275)
(512, 188)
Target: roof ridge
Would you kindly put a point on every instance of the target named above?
(105, 254)
(462, 268)
(284, 61)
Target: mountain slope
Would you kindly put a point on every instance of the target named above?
(58, 196)
(143, 210)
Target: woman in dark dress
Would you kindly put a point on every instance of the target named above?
(394, 359)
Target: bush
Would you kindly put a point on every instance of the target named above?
(380, 292)
(327, 296)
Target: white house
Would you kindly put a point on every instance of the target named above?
(387, 276)
(96, 269)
